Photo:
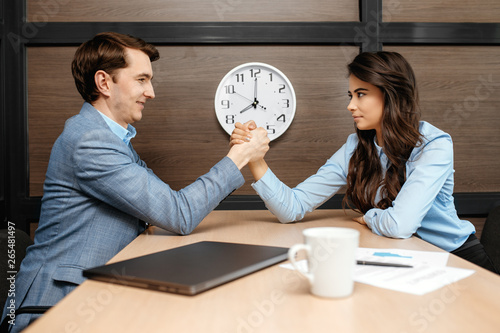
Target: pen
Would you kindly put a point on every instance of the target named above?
(378, 263)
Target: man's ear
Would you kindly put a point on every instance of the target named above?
(102, 82)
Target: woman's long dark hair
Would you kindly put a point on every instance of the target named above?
(392, 74)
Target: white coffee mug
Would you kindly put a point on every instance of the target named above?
(331, 257)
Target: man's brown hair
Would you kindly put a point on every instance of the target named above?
(106, 51)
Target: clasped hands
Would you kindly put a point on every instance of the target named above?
(248, 143)
(243, 132)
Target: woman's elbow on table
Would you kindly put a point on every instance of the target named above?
(386, 225)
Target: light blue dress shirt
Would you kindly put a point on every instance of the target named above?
(125, 134)
(424, 206)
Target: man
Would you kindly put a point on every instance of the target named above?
(97, 190)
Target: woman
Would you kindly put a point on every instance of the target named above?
(398, 170)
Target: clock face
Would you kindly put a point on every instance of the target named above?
(259, 92)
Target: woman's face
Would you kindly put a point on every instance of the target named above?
(366, 105)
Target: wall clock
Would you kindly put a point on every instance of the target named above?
(259, 92)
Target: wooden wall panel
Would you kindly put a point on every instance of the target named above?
(441, 11)
(460, 93)
(179, 136)
(191, 10)
(52, 98)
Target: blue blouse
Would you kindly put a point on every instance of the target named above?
(424, 206)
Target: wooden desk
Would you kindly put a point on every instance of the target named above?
(275, 299)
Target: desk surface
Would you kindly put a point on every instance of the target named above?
(275, 299)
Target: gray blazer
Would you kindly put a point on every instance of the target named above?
(97, 192)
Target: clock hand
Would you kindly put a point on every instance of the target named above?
(255, 101)
(248, 99)
(247, 108)
(253, 105)
(255, 91)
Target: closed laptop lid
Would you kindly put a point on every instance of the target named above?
(190, 269)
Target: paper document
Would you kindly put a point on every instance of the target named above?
(429, 271)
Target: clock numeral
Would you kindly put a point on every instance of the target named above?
(230, 119)
(254, 72)
(271, 77)
(229, 89)
(270, 129)
(286, 103)
(240, 77)
(282, 89)
(225, 103)
(281, 118)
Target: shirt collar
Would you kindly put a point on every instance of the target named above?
(380, 151)
(125, 134)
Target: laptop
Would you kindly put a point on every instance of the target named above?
(190, 269)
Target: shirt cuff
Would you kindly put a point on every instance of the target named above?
(370, 217)
(266, 185)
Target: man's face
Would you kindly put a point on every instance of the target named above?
(131, 88)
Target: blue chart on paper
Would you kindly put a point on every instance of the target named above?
(389, 254)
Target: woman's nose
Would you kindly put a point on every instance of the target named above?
(351, 106)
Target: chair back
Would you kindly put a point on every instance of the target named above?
(490, 236)
(13, 245)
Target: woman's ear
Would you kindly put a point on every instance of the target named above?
(102, 82)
